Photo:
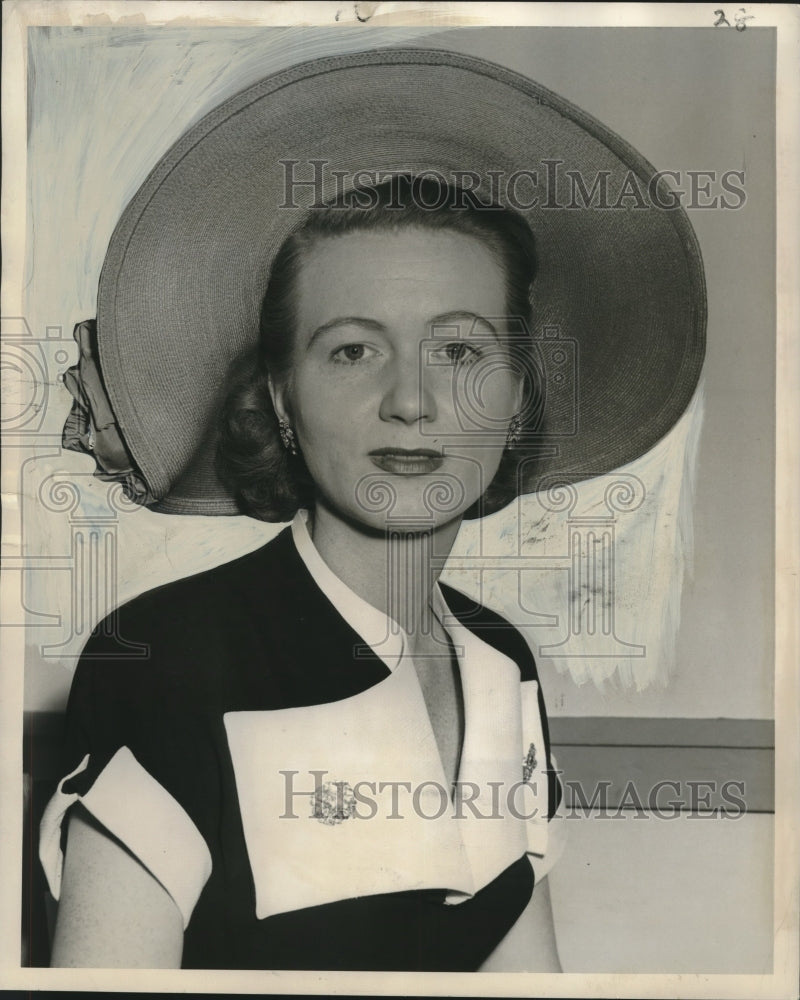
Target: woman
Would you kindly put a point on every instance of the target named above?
(341, 763)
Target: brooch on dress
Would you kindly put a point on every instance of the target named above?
(529, 763)
(333, 802)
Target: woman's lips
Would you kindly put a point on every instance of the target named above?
(405, 462)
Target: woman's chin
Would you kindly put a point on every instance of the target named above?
(384, 507)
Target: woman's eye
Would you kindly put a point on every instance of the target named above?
(350, 354)
(460, 352)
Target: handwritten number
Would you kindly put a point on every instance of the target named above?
(741, 17)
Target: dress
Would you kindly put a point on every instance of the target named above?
(276, 770)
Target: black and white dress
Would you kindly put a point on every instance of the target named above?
(271, 762)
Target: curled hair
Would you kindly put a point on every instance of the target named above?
(270, 483)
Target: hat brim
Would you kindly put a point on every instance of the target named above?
(619, 298)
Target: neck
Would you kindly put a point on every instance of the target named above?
(394, 571)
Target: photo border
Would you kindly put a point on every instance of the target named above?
(17, 16)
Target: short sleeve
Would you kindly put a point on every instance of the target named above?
(128, 749)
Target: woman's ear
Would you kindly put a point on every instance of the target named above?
(520, 399)
(519, 394)
(277, 392)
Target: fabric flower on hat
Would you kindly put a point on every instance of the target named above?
(91, 427)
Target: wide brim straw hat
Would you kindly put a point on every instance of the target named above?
(619, 297)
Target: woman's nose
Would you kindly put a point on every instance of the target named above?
(407, 398)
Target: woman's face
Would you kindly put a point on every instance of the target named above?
(401, 389)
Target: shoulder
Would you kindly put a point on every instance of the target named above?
(177, 635)
(222, 582)
(493, 629)
(170, 611)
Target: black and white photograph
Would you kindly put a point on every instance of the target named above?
(399, 584)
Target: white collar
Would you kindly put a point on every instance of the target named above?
(368, 736)
(387, 639)
(382, 634)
